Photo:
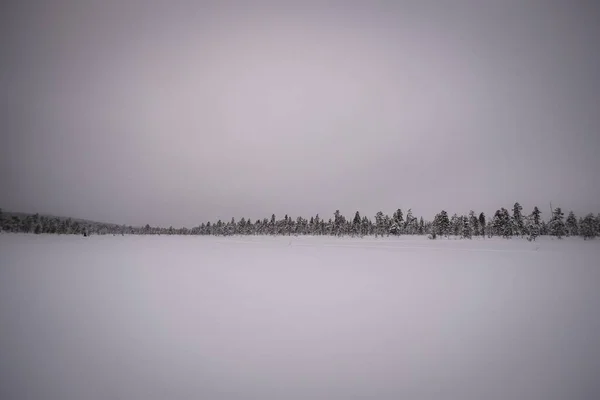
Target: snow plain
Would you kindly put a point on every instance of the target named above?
(169, 317)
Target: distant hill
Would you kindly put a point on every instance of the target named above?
(56, 217)
(20, 222)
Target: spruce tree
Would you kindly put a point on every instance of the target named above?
(441, 224)
(556, 226)
(536, 215)
(474, 223)
(571, 225)
(379, 229)
(397, 222)
(466, 227)
(356, 224)
(517, 219)
(482, 224)
(534, 226)
(455, 225)
(587, 228)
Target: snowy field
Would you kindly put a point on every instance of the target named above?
(162, 317)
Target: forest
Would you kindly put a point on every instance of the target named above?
(503, 223)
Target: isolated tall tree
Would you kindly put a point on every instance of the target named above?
(556, 226)
(571, 225)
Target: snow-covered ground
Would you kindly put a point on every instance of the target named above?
(162, 317)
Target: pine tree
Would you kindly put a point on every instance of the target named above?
(482, 224)
(543, 228)
(379, 226)
(466, 228)
(534, 227)
(455, 225)
(517, 219)
(536, 215)
(556, 226)
(387, 224)
(339, 222)
(474, 222)
(441, 224)
(397, 222)
(356, 224)
(588, 227)
(501, 223)
(571, 225)
(410, 224)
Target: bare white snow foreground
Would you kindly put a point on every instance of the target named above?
(298, 318)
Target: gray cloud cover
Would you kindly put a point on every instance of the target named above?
(173, 113)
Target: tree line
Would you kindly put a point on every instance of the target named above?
(503, 223)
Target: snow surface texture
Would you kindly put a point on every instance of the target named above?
(161, 317)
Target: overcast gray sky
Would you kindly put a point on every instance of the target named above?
(172, 113)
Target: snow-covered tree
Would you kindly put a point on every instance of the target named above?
(387, 224)
(482, 224)
(455, 225)
(571, 225)
(532, 224)
(474, 222)
(339, 223)
(357, 224)
(587, 228)
(397, 222)
(556, 226)
(501, 223)
(517, 220)
(441, 224)
(379, 224)
(466, 228)
(536, 215)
